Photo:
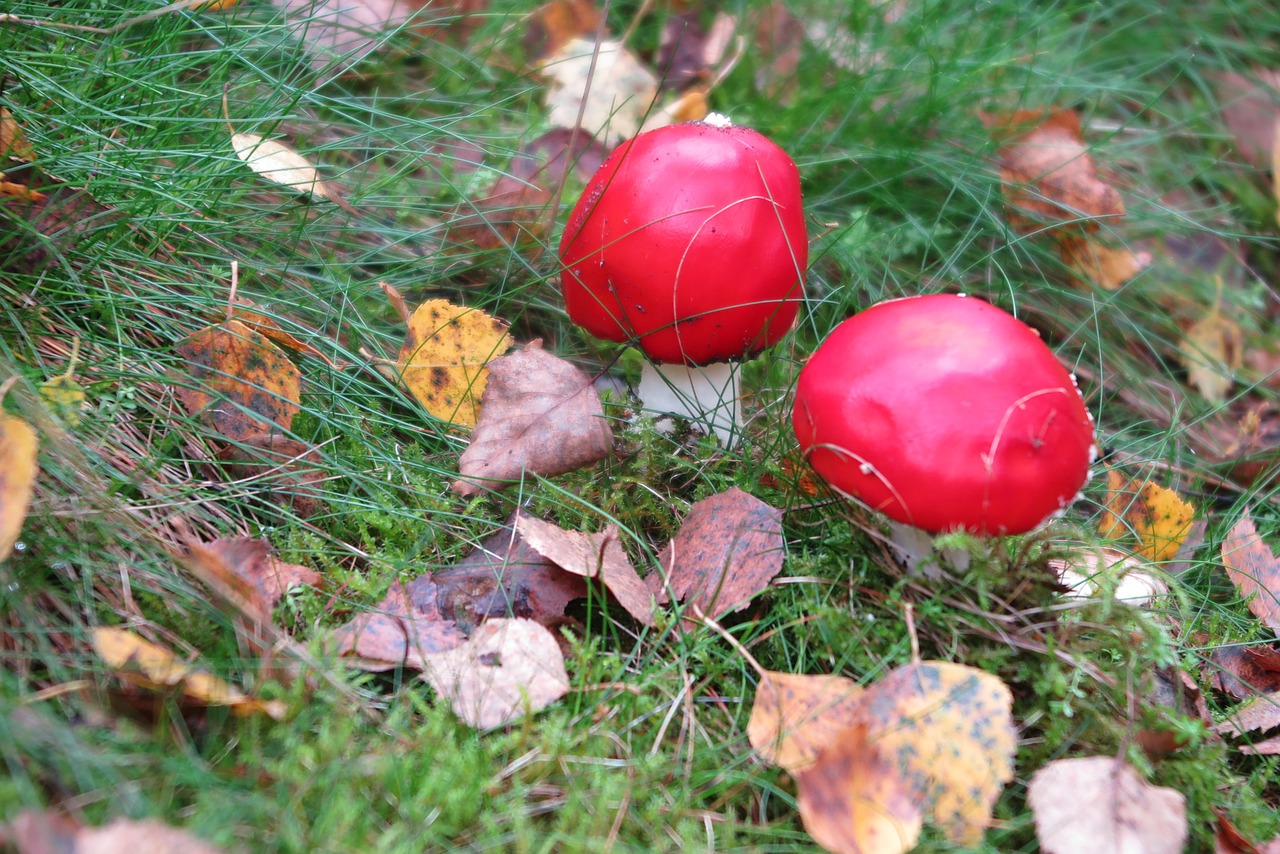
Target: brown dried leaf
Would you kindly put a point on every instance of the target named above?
(795, 716)
(17, 478)
(1269, 747)
(505, 577)
(557, 23)
(13, 141)
(404, 630)
(540, 414)
(1100, 804)
(852, 801)
(257, 576)
(507, 669)
(1254, 570)
(592, 556)
(778, 39)
(1246, 671)
(444, 355)
(1107, 267)
(33, 832)
(155, 668)
(286, 470)
(1250, 108)
(241, 384)
(248, 313)
(948, 729)
(1159, 517)
(682, 55)
(727, 550)
(1262, 712)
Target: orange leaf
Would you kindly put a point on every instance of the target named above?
(1159, 517)
(795, 716)
(17, 477)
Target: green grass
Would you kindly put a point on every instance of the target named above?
(135, 251)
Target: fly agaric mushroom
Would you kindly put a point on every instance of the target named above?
(945, 413)
(690, 242)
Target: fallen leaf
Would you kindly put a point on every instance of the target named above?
(1212, 350)
(241, 384)
(33, 832)
(553, 25)
(1100, 804)
(150, 666)
(285, 473)
(1269, 747)
(1246, 671)
(1262, 712)
(852, 801)
(598, 556)
(509, 668)
(1250, 108)
(948, 729)
(1243, 437)
(444, 355)
(280, 164)
(727, 550)
(505, 577)
(18, 191)
(66, 397)
(339, 33)
(1158, 516)
(257, 576)
(17, 478)
(13, 141)
(541, 415)
(795, 716)
(404, 629)
(1107, 267)
(682, 58)
(247, 312)
(604, 83)
(1254, 570)
(1172, 693)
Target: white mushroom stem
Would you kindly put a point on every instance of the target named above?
(706, 395)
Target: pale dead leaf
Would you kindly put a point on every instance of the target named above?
(155, 668)
(279, 163)
(727, 550)
(1099, 804)
(402, 631)
(597, 556)
(507, 669)
(1262, 712)
(1269, 747)
(249, 567)
(1254, 570)
(795, 716)
(1250, 108)
(621, 89)
(1105, 266)
(540, 414)
(17, 477)
(33, 832)
(1212, 350)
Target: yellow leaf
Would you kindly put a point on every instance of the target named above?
(443, 358)
(853, 801)
(66, 397)
(795, 715)
(1103, 265)
(242, 385)
(948, 730)
(1159, 517)
(17, 477)
(151, 666)
(276, 162)
(13, 142)
(1211, 351)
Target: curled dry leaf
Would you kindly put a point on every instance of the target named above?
(853, 801)
(444, 355)
(1254, 570)
(151, 666)
(241, 384)
(1100, 804)
(246, 568)
(795, 716)
(33, 832)
(605, 83)
(1158, 516)
(598, 556)
(505, 577)
(1245, 671)
(507, 669)
(17, 478)
(1260, 713)
(402, 631)
(727, 550)
(540, 414)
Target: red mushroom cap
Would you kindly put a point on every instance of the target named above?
(690, 239)
(945, 413)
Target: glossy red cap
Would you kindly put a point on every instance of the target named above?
(945, 413)
(690, 240)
